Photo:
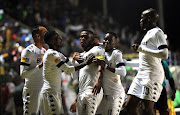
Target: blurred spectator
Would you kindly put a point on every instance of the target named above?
(177, 98)
(5, 95)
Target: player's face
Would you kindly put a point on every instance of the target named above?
(43, 30)
(85, 39)
(109, 42)
(57, 41)
(143, 21)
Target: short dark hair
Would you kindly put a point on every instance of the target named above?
(48, 36)
(89, 31)
(151, 12)
(112, 33)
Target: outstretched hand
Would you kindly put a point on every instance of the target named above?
(41, 64)
(97, 88)
(76, 56)
(89, 59)
(73, 107)
(99, 62)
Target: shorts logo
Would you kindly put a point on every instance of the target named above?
(56, 60)
(24, 59)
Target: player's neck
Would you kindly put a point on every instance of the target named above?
(110, 50)
(88, 48)
(37, 44)
(150, 27)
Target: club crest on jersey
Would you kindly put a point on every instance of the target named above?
(24, 59)
(56, 60)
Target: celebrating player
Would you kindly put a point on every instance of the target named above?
(31, 70)
(147, 85)
(54, 64)
(86, 102)
(113, 90)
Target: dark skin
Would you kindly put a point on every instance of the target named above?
(57, 42)
(147, 22)
(87, 42)
(109, 43)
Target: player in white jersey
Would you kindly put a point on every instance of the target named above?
(147, 85)
(31, 71)
(86, 102)
(114, 93)
(54, 64)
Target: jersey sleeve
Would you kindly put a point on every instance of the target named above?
(26, 57)
(57, 58)
(98, 52)
(25, 63)
(61, 62)
(120, 65)
(160, 44)
(118, 59)
(160, 40)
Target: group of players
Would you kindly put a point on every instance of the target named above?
(100, 68)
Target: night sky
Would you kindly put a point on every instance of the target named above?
(128, 12)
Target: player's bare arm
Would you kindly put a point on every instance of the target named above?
(77, 57)
(98, 84)
(70, 69)
(73, 106)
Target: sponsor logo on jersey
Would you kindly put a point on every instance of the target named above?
(24, 59)
(56, 60)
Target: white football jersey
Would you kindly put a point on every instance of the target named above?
(88, 74)
(111, 81)
(31, 56)
(51, 71)
(150, 67)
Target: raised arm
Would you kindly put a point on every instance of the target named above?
(161, 53)
(120, 65)
(162, 48)
(98, 84)
(70, 69)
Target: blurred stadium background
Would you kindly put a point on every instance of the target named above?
(69, 17)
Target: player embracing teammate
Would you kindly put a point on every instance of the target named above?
(100, 68)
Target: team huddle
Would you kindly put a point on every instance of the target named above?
(100, 67)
